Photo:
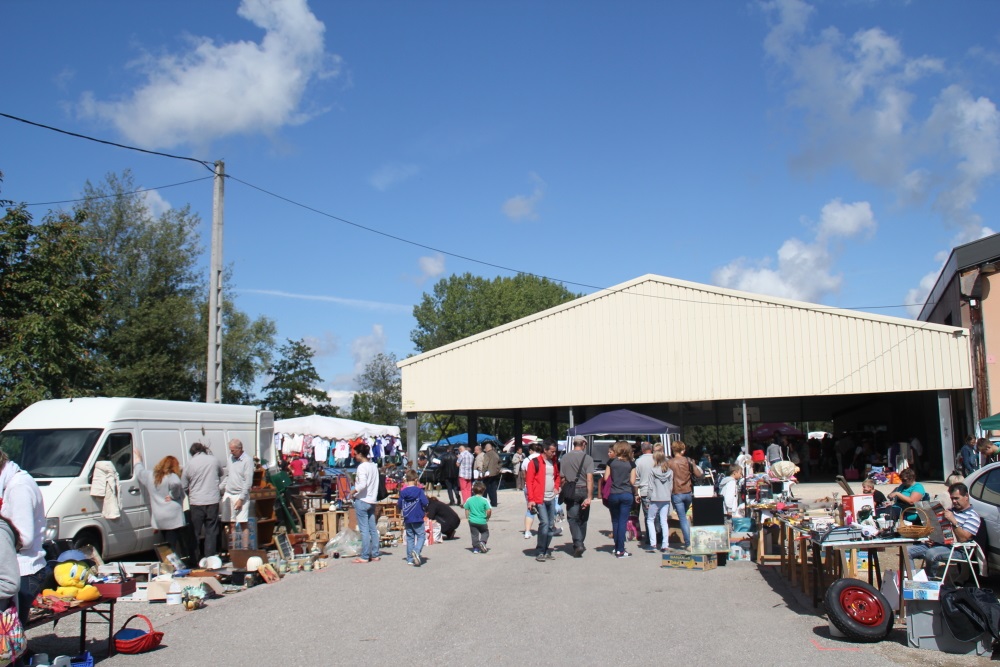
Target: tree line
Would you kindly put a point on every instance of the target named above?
(108, 299)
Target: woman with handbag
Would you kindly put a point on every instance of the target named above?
(685, 471)
(620, 474)
(166, 501)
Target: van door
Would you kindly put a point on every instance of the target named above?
(120, 534)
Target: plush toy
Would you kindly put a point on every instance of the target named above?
(72, 579)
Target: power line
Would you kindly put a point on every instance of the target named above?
(372, 230)
(417, 244)
(204, 163)
(123, 194)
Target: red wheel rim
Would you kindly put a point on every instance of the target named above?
(862, 606)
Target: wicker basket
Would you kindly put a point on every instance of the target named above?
(134, 640)
(916, 532)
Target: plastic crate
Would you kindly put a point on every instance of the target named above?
(83, 660)
(927, 629)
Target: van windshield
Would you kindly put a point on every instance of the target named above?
(50, 452)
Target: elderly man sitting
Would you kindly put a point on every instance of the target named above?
(965, 522)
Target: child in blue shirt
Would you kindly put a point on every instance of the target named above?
(478, 512)
(412, 502)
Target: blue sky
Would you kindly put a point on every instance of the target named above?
(829, 151)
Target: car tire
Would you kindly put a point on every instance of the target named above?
(89, 538)
(858, 610)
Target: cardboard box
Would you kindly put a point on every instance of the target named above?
(685, 561)
(157, 590)
(239, 557)
(116, 590)
(921, 590)
(139, 571)
(854, 509)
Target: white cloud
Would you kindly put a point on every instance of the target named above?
(155, 202)
(218, 89)
(431, 267)
(804, 271)
(391, 174)
(354, 303)
(342, 398)
(324, 345)
(363, 349)
(524, 207)
(860, 96)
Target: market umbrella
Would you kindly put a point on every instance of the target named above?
(990, 423)
(765, 431)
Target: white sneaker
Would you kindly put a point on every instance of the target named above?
(527, 534)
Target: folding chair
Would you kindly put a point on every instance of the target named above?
(965, 552)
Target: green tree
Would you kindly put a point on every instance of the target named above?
(461, 306)
(294, 387)
(380, 392)
(150, 332)
(49, 294)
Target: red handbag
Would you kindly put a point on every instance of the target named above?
(134, 640)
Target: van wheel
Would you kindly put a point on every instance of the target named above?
(88, 538)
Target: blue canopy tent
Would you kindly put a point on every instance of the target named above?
(463, 439)
(623, 422)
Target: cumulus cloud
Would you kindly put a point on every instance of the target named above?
(431, 267)
(215, 89)
(323, 345)
(391, 174)
(803, 271)
(363, 349)
(155, 202)
(342, 398)
(860, 96)
(525, 207)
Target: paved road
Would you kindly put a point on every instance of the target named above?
(507, 608)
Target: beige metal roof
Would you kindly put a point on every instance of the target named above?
(656, 340)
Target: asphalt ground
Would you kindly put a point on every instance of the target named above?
(504, 607)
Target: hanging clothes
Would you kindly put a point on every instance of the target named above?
(106, 485)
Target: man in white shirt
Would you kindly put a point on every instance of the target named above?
(24, 509)
(236, 491)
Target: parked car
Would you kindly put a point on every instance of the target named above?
(984, 491)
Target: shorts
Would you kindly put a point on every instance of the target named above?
(227, 509)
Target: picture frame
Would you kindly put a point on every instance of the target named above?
(709, 539)
(268, 573)
(284, 546)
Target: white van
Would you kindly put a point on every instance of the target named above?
(59, 441)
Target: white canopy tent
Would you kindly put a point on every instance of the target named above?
(333, 428)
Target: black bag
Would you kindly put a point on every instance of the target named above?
(970, 612)
(567, 493)
(383, 492)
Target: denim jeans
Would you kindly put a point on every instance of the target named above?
(365, 513)
(658, 508)
(415, 536)
(681, 502)
(934, 557)
(31, 586)
(546, 524)
(651, 537)
(492, 485)
(577, 516)
(621, 506)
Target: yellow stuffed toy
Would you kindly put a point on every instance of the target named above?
(72, 579)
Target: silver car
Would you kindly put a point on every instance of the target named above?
(984, 490)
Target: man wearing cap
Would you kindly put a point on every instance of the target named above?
(236, 490)
(578, 469)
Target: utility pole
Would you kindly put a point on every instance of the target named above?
(213, 390)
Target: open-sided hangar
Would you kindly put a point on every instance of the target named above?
(690, 354)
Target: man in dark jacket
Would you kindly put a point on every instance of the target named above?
(491, 472)
(449, 476)
(444, 515)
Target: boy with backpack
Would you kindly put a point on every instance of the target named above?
(477, 512)
(412, 502)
